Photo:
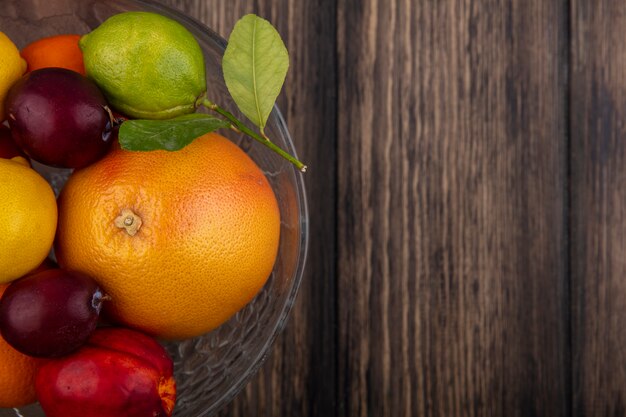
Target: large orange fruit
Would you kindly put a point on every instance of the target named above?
(17, 374)
(179, 240)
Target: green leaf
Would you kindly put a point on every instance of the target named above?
(171, 135)
(255, 65)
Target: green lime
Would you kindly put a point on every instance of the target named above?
(147, 65)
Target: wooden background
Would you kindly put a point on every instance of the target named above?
(467, 192)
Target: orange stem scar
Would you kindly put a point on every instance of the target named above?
(128, 221)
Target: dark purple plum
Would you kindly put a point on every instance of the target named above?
(8, 149)
(59, 117)
(51, 313)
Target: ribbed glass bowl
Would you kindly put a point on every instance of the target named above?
(210, 370)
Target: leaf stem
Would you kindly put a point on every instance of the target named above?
(237, 125)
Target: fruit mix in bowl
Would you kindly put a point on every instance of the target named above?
(151, 206)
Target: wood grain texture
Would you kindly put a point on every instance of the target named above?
(299, 376)
(452, 175)
(598, 131)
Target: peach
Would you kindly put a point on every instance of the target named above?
(120, 372)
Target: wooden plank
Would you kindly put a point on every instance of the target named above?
(598, 155)
(453, 295)
(299, 376)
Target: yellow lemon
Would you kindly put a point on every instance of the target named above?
(12, 66)
(28, 219)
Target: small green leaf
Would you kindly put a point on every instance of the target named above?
(255, 65)
(170, 135)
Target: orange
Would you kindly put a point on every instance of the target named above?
(17, 374)
(55, 51)
(179, 240)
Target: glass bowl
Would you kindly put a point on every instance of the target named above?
(210, 370)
